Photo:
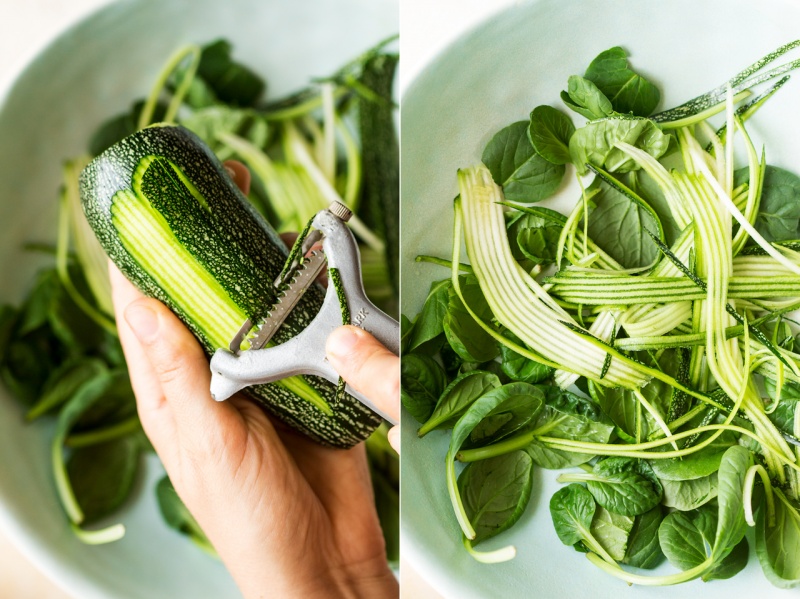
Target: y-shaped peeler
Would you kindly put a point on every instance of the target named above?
(236, 369)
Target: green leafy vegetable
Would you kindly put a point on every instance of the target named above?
(523, 174)
(627, 91)
(549, 132)
(422, 381)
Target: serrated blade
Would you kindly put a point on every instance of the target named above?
(302, 279)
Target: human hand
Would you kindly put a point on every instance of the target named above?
(288, 517)
(370, 368)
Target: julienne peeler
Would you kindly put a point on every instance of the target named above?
(248, 362)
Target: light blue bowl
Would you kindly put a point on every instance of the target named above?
(92, 72)
(495, 75)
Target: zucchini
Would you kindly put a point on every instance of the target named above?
(174, 223)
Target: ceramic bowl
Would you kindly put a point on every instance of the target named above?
(491, 76)
(90, 73)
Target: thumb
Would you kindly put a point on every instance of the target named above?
(367, 366)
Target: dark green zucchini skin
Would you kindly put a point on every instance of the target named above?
(233, 242)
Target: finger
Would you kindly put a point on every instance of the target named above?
(394, 438)
(367, 366)
(239, 173)
(181, 369)
(152, 410)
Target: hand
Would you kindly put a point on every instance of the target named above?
(288, 517)
(370, 368)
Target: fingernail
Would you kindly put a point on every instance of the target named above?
(143, 321)
(230, 171)
(342, 341)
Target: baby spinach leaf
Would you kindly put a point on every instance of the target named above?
(731, 564)
(731, 527)
(572, 509)
(8, 320)
(627, 91)
(457, 397)
(585, 98)
(612, 531)
(428, 324)
(524, 175)
(230, 81)
(121, 126)
(64, 382)
(778, 546)
(178, 517)
(625, 486)
(699, 464)
(118, 404)
(534, 239)
(568, 416)
(465, 336)
(617, 224)
(779, 211)
(549, 132)
(102, 475)
(422, 381)
(643, 548)
(595, 142)
(519, 368)
(687, 538)
(521, 405)
(687, 495)
(495, 492)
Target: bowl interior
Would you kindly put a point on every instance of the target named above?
(490, 77)
(90, 73)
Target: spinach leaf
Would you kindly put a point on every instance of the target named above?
(617, 224)
(209, 122)
(457, 397)
(521, 405)
(779, 212)
(178, 517)
(465, 336)
(519, 368)
(612, 531)
(687, 495)
(731, 526)
(88, 395)
(568, 416)
(595, 142)
(102, 476)
(778, 546)
(549, 132)
(229, 81)
(625, 486)
(627, 91)
(64, 382)
(8, 320)
(495, 492)
(428, 325)
(533, 239)
(643, 548)
(687, 538)
(524, 175)
(422, 381)
(646, 188)
(572, 509)
(699, 464)
(585, 98)
(117, 128)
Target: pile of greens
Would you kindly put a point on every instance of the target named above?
(643, 340)
(59, 351)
